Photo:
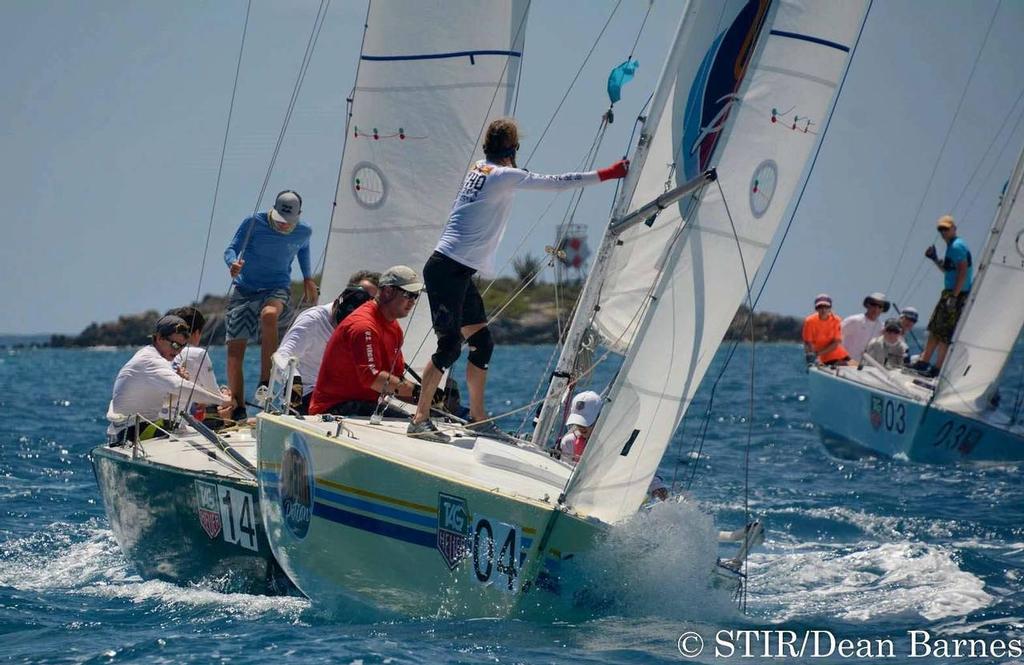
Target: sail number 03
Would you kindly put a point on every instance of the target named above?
(495, 550)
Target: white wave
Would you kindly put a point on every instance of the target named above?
(85, 559)
(660, 563)
(864, 581)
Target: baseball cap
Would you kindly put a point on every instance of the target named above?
(822, 299)
(879, 298)
(286, 208)
(402, 277)
(945, 222)
(893, 325)
(586, 406)
(910, 313)
(170, 324)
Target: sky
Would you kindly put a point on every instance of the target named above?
(114, 116)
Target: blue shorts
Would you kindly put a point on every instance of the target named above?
(242, 319)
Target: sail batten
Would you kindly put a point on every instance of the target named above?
(750, 98)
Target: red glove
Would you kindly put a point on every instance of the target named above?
(616, 170)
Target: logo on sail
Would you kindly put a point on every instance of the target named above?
(295, 486)
(714, 90)
(209, 508)
(452, 528)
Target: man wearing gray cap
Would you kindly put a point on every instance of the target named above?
(363, 359)
(859, 329)
(147, 385)
(259, 259)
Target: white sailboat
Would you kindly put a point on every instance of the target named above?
(357, 511)
(953, 418)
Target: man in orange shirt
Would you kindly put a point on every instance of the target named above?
(823, 339)
(363, 358)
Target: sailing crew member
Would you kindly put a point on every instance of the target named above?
(468, 244)
(363, 358)
(259, 258)
(908, 319)
(586, 407)
(194, 362)
(822, 336)
(888, 349)
(958, 276)
(307, 337)
(859, 329)
(149, 386)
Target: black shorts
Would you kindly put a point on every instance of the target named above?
(454, 299)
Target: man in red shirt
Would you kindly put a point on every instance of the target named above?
(363, 358)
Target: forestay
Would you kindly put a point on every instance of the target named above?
(751, 96)
(993, 317)
(432, 74)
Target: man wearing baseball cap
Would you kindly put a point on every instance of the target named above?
(259, 259)
(821, 335)
(147, 385)
(888, 349)
(958, 276)
(583, 413)
(363, 360)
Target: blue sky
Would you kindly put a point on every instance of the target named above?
(114, 113)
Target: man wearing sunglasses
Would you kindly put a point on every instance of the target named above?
(363, 359)
(958, 276)
(859, 329)
(147, 385)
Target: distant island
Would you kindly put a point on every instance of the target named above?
(531, 318)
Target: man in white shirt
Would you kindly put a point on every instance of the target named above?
(307, 337)
(194, 362)
(147, 385)
(859, 329)
(467, 245)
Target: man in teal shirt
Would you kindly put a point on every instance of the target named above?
(958, 276)
(259, 258)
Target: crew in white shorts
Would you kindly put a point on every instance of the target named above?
(468, 244)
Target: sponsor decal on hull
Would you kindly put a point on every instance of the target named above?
(209, 508)
(453, 535)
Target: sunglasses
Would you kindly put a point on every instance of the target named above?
(177, 346)
(943, 229)
(823, 307)
(409, 295)
(875, 304)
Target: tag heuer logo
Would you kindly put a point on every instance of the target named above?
(876, 411)
(209, 509)
(452, 529)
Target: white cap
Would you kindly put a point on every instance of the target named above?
(586, 406)
(402, 277)
(286, 208)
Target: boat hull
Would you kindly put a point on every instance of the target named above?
(186, 527)
(857, 419)
(355, 529)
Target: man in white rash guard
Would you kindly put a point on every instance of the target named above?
(468, 244)
(307, 337)
(194, 362)
(148, 385)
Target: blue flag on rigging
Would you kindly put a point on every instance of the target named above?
(619, 77)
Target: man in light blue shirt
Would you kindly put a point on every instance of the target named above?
(958, 277)
(259, 258)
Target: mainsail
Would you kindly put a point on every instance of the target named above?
(421, 99)
(993, 317)
(751, 95)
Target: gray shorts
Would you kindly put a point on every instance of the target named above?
(242, 319)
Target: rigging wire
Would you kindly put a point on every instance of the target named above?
(942, 149)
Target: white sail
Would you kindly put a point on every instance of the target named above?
(751, 99)
(994, 314)
(422, 97)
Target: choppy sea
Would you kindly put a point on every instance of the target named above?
(864, 551)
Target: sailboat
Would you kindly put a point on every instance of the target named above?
(954, 417)
(356, 511)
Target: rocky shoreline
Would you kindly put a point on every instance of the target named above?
(531, 318)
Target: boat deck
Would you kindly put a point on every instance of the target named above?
(188, 450)
(519, 470)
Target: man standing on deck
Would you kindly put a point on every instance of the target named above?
(468, 244)
(363, 359)
(859, 329)
(259, 259)
(958, 277)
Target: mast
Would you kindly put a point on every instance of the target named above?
(591, 293)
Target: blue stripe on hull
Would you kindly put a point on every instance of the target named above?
(373, 525)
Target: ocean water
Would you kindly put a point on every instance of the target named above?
(866, 550)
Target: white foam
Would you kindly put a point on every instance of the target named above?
(863, 581)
